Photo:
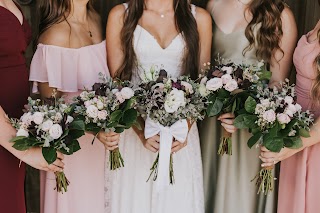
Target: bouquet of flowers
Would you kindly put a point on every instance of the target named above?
(168, 104)
(276, 120)
(108, 107)
(227, 86)
(51, 126)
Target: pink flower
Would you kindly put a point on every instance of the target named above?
(288, 99)
(231, 85)
(214, 84)
(102, 115)
(283, 118)
(269, 116)
(119, 97)
(187, 86)
(226, 78)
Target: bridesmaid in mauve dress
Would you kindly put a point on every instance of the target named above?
(299, 189)
(15, 35)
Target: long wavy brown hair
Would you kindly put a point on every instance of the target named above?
(55, 11)
(185, 24)
(267, 41)
(315, 92)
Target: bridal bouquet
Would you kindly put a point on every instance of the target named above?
(168, 105)
(227, 86)
(49, 125)
(108, 107)
(276, 120)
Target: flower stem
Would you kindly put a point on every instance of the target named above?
(225, 146)
(265, 180)
(116, 160)
(62, 182)
(154, 170)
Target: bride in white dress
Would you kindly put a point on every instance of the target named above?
(175, 35)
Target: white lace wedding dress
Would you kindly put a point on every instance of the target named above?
(126, 189)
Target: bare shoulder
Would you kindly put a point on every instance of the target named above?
(203, 17)
(58, 35)
(95, 17)
(117, 12)
(287, 16)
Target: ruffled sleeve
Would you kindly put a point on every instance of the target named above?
(68, 70)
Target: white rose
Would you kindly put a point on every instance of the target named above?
(228, 70)
(288, 112)
(99, 104)
(38, 117)
(204, 80)
(174, 100)
(87, 103)
(265, 102)
(283, 118)
(127, 92)
(231, 85)
(22, 132)
(288, 99)
(119, 97)
(92, 111)
(55, 131)
(45, 126)
(298, 107)
(69, 119)
(214, 84)
(269, 116)
(203, 90)
(226, 78)
(102, 115)
(291, 109)
(27, 118)
(187, 86)
(58, 117)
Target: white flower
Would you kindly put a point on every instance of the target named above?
(92, 111)
(292, 133)
(45, 126)
(187, 86)
(231, 85)
(260, 64)
(114, 91)
(288, 99)
(22, 132)
(63, 107)
(269, 116)
(265, 102)
(226, 78)
(204, 80)
(203, 90)
(283, 118)
(127, 92)
(87, 103)
(55, 131)
(214, 84)
(38, 117)
(290, 110)
(228, 70)
(102, 115)
(99, 104)
(298, 107)
(174, 100)
(69, 119)
(119, 97)
(58, 117)
(84, 95)
(27, 118)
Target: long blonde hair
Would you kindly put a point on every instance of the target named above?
(315, 92)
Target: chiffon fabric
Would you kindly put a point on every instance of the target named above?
(127, 189)
(70, 71)
(299, 188)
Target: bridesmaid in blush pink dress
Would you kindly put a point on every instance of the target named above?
(299, 189)
(69, 57)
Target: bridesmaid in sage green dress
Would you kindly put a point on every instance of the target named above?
(243, 31)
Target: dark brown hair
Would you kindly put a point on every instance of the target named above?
(185, 24)
(55, 11)
(268, 14)
(315, 92)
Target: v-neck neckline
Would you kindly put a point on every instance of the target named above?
(16, 18)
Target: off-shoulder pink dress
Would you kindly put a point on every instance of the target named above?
(299, 190)
(70, 71)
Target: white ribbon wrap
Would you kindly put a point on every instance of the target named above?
(179, 131)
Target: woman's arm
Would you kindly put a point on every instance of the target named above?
(269, 158)
(33, 156)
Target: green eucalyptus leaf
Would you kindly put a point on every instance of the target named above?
(18, 138)
(234, 106)
(296, 142)
(49, 154)
(77, 124)
(254, 139)
(115, 116)
(21, 144)
(119, 129)
(250, 121)
(215, 108)
(304, 133)
(239, 122)
(274, 144)
(250, 104)
(129, 117)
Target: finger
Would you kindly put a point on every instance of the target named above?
(55, 168)
(109, 134)
(226, 115)
(60, 155)
(156, 138)
(112, 138)
(227, 121)
(59, 163)
(111, 148)
(267, 160)
(267, 164)
(176, 148)
(264, 149)
(149, 147)
(113, 143)
(176, 143)
(229, 128)
(269, 155)
(154, 144)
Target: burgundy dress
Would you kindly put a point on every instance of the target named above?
(14, 90)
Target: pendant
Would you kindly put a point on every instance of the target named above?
(90, 34)
(162, 16)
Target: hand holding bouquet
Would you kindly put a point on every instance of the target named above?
(51, 126)
(108, 107)
(168, 103)
(276, 120)
(227, 86)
